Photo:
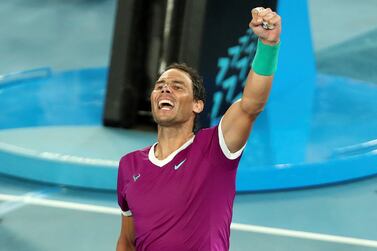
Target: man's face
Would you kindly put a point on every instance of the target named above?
(172, 99)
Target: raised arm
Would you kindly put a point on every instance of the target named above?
(237, 122)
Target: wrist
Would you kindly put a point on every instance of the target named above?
(270, 43)
(266, 59)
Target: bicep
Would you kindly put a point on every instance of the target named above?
(236, 126)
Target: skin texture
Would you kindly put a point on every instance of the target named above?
(175, 123)
(126, 241)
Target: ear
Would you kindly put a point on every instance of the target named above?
(198, 106)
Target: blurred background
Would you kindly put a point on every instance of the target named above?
(58, 163)
(76, 34)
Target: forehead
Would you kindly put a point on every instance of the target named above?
(176, 74)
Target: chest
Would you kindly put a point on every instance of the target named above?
(157, 190)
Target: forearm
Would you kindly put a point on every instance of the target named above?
(125, 245)
(256, 93)
(259, 81)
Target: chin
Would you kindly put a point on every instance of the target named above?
(163, 121)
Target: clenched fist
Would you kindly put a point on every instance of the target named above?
(266, 24)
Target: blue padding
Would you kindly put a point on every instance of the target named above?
(64, 173)
(306, 174)
(59, 98)
(288, 113)
(296, 68)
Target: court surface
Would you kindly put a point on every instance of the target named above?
(36, 216)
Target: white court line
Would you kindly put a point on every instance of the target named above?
(304, 235)
(234, 226)
(60, 204)
(12, 205)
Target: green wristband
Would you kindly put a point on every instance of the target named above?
(266, 59)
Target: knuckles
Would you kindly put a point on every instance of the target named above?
(264, 15)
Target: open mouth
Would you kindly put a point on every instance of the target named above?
(165, 104)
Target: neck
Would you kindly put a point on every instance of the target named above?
(170, 139)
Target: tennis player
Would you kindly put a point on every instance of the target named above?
(177, 195)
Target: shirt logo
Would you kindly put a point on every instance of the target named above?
(136, 177)
(179, 165)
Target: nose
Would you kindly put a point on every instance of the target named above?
(165, 88)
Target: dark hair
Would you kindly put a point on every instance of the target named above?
(197, 83)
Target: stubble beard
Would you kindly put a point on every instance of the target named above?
(166, 122)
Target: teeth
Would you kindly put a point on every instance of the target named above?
(165, 101)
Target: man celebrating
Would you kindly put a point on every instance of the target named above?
(178, 194)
